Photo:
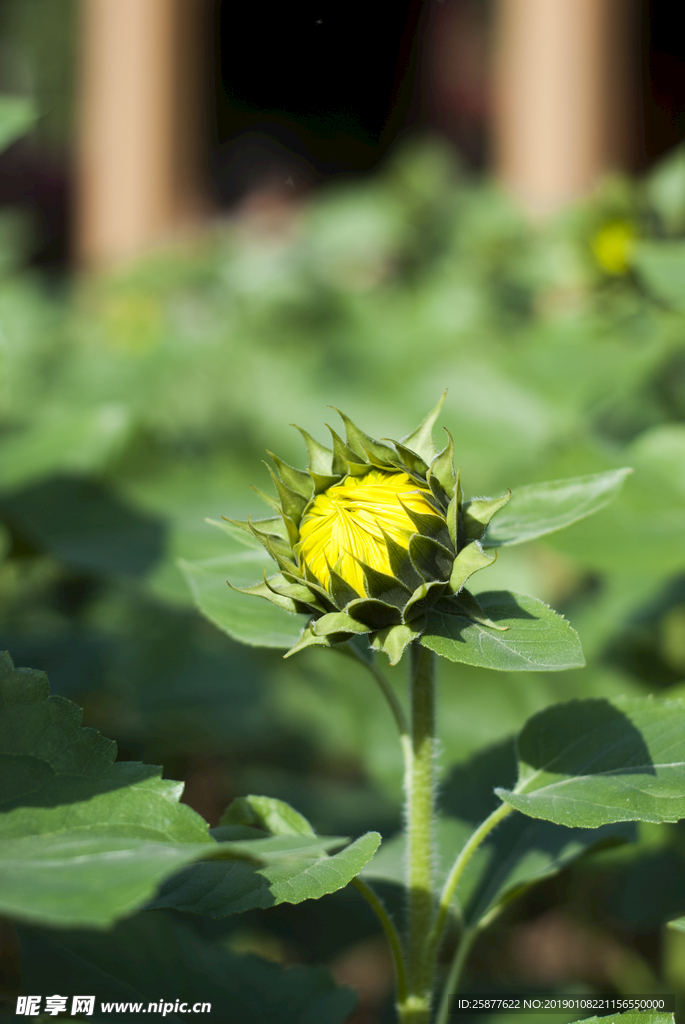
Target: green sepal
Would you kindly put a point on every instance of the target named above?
(338, 622)
(279, 549)
(344, 459)
(454, 512)
(297, 480)
(421, 439)
(298, 592)
(363, 445)
(275, 550)
(466, 604)
(423, 598)
(317, 590)
(262, 589)
(319, 457)
(478, 512)
(428, 525)
(321, 482)
(293, 532)
(383, 587)
(432, 560)
(341, 590)
(411, 462)
(469, 560)
(374, 614)
(268, 499)
(442, 467)
(400, 563)
(307, 639)
(292, 503)
(273, 526)
(386, 465)
(394, 640)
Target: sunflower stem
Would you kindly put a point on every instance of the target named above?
(419, 779)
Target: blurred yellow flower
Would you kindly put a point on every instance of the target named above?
(613, 246)
(348, 522)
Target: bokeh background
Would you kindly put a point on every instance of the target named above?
(219, 218)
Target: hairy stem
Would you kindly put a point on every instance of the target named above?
(391, 934)
(415, 1009)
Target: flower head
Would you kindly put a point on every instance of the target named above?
(371, 536)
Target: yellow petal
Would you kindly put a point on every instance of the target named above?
(347, 521)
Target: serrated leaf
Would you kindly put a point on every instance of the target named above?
(84, 840)
(593, 762)
(252, 620)
(537, 638)
(232, 888)
(153, 957)
(538, 509)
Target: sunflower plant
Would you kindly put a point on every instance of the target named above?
(369, 552)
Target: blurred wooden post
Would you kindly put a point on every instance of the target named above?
(139, 110)
(561, 96)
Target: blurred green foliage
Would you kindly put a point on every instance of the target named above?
(137, 403)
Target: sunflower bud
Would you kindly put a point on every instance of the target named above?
(371, 536)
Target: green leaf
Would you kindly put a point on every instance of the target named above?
(250, 619)
(517, 854)
(537, 639)
(81, 441)
(85, 525)
(154, 957)
(271, 815)
(537, 509)
(286, 869)
(17, 116)
(84, 840)
(592, 762)
(631, 1017)
(661, 265)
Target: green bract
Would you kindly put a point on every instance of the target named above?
(430, 573)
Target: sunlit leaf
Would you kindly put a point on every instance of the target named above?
(537, 639)
(588, 763)
(537, 509)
